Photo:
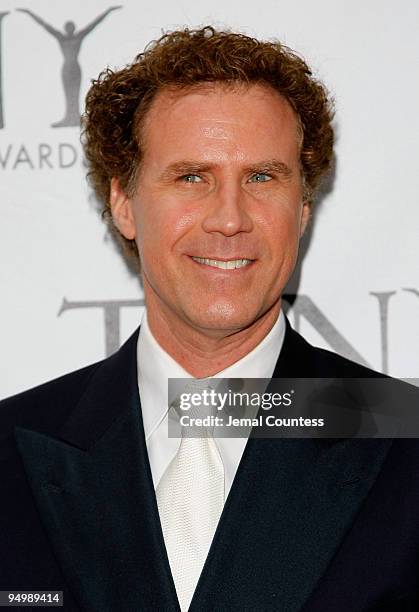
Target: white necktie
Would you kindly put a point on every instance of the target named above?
(190, 498)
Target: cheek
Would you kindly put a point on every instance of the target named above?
(161, 224)
(280, 227)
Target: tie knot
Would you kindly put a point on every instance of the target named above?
(195, 409)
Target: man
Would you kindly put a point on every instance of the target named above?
(206, 153)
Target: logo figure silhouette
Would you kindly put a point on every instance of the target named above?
(2, 14)
(70, 41)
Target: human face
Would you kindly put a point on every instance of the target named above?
(218, 210)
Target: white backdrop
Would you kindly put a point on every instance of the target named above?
(64, 286)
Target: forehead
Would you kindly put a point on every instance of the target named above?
(216, 114)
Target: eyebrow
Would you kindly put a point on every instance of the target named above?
(189, 167)
(270, 166)
(184, 167)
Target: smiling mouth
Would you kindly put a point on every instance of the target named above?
(231, 264)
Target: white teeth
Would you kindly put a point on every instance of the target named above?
(225, 265)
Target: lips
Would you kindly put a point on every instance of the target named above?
(230, 264)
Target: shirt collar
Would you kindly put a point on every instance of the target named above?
(156, 366)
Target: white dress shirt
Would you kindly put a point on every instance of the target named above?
(155, 367)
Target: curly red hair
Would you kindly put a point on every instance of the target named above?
(118, 101)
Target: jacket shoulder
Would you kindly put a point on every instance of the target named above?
(46, 406)
(345, 367)
(322, 363)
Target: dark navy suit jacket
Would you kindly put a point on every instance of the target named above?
(309, 525)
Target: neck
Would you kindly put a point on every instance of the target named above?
(204, 353)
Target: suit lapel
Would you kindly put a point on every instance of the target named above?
(95, 494)
(290, 506)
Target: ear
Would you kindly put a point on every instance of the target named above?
(121, 207)
(305, 216)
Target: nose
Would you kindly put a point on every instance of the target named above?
(227, 213)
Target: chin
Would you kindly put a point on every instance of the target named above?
(223, 316)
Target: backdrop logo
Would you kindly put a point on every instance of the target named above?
(69, 40)
(302, 307)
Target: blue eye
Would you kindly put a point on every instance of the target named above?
(260, 177)
(191, 178)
